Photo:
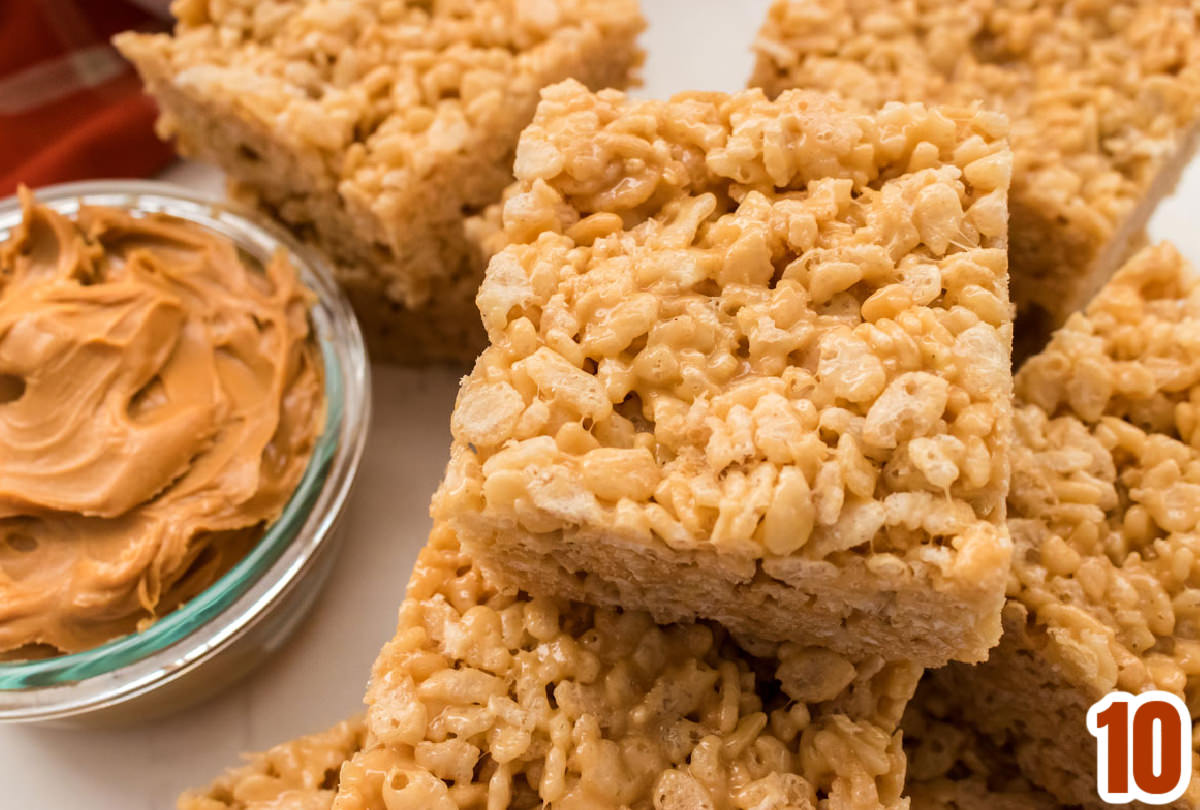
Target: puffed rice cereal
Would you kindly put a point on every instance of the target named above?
(1104, 98)
(749, 362)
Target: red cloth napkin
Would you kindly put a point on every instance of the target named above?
(70, 107)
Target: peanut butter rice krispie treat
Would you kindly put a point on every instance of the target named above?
(749, 362)
(488, 698)
(375, 127)
(1105, 518)
(1104, 99)
(949, 767)
(301, 774)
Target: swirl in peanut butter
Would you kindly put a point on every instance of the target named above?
(160, 396)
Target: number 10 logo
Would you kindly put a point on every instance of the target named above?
(1144, 747)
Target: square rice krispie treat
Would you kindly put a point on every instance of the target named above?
(949, 767)
(374, 128)
(488, 698)
(1105, 519)
(1104, 99)
(749, 362)
(301, 774)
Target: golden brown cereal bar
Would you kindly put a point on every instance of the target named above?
(488, 698)
(1104, 99)
(749, 362)
(454, 615)
(1105, 519)
(949, 767)
(301, 774)
(375, 128)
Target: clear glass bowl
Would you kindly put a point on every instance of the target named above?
(249, 612)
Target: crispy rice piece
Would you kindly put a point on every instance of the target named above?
(488, 698)
(374, 129)
(749, 362)
(1105, 518)
(1104, 99)
(301, 774)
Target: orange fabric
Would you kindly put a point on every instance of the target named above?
(70, 108)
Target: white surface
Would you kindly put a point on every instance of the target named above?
(319, 678)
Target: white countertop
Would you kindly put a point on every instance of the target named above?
(319, 677)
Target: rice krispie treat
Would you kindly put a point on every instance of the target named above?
(1105, 518)
(749, 362)
(301, 774)
(1104, 99)
(488, 698)
(949, 767)
(375, 128)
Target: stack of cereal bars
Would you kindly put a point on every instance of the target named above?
(744, 455)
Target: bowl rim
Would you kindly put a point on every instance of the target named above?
(180, 641)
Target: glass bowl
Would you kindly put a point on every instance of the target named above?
(249, 612)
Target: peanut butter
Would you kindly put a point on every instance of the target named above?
(160, 396)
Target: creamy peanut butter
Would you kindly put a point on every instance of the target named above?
(160, 396)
